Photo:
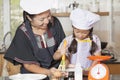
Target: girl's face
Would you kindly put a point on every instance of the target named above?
(40, 21)
(81, 34)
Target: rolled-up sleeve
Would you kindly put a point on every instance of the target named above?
(20, 50)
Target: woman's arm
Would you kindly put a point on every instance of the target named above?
(36, 69)
(39, 70)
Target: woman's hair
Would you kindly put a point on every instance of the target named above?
(73, 46)
(25, 15)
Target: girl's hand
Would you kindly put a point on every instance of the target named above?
(71, 66)
(63, 49)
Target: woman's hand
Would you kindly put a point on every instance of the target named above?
(55, 74)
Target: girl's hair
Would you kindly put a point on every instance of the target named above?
(94, 46)
(73, 46)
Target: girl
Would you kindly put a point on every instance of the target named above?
(82, 43)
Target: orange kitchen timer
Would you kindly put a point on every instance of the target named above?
(99, 71)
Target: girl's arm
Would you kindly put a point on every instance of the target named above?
(61, 51)
(57, 55)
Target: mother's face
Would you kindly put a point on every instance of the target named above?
(41, 20)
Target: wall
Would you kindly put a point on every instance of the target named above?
(116, 28)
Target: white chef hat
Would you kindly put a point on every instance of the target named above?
(35, 6)
(83, 19)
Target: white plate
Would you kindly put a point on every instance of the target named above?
(27, 77)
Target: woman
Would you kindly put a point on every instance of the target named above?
(82, 43)
(36, 39)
